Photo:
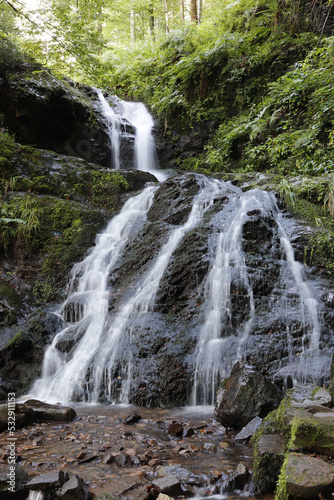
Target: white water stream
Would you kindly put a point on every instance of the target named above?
(62, 378)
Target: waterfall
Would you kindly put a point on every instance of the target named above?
(309, 355)
(118, 118)
(36, 495)
(219, 345)
(63, 374)
(92, 357)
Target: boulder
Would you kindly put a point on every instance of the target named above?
(245, 395)
(20, 479)
(133, 418)
(175, 429)
(306, 477)
(23, 416)
(313, 433)
(74, 488)
(57, 115)
(46, 411)
(169, 485)
(48, 481)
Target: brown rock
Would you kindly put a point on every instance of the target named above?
(175, 429)
(154, 462)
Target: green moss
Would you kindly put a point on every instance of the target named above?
(281, 491)
(311, 434)
(105, 185)
(19, 344)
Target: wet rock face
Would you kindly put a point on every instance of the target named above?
(173, 200)
(164, 339)
(57, 115)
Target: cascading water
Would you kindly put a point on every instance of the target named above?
(309, 355)
(114, 129)
(217, 348)
(63, 375)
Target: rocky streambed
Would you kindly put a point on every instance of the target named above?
(135, 453)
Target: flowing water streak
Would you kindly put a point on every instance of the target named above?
(116, 348)
(215, 354)
(141, 119)
(135, 114)
(309, 310)
(64, 376)
(36, 495)
(114, 128)
(217, 350)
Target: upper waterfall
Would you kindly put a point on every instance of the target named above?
(131, 120)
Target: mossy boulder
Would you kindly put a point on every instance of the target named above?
(268, 461)
(11, 305)
(302, 423)
(305, 477)
(314, 434)
(21, 358)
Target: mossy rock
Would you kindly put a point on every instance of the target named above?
(268, 458)
(11, 305)
(305, 477)
(313, 434)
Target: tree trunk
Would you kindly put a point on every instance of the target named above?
(199, 11)
(193, 11)
(182, 10)
(151, 21)
(132, 26)
(166, 16)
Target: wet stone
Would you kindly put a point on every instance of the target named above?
(249, 430)
(168, 484)
(267, 467)
(73, 488)
(133, 418)
(46, 411)
(308, 477)
(175, 429)
(123, 460)
(182, 474)
(188, 432)
(48, 481)
(241, 476)
(210, 447)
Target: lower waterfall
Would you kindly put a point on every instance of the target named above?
(92, 358)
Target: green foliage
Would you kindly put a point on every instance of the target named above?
(104, 186)
(19, 220)
(286, 193)
(291, 130)
(7, 152)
